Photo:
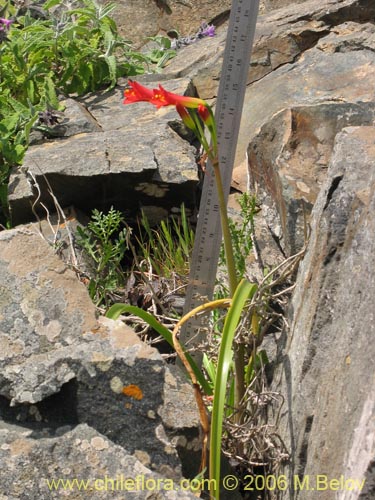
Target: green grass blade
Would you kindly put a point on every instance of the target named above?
(209, 366)
(117, 309)
(244, 290)
(166, 231)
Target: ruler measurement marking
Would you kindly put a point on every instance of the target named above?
(228, 113)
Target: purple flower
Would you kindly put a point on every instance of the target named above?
(6, 22)
(207, 30)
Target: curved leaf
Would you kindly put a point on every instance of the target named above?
(117, 309)
(244, 291)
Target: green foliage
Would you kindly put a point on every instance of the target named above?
(243, 293)
(242, 241)
(16, 120)
(241, 234)
(74, 51)
(105, 245)
(70, 52)
(168, 246)
(161, 53)
(117, 309)
(256, 361)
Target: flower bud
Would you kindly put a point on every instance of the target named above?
(204, 113)
(185, 116)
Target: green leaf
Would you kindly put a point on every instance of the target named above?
(244, 291)
(4, 9)
(210, 368)
(30, 90)
(117, 309)
(51, 3)
(19, 151)
(50, 92)
(106, 10)
(112, 67)
(9, 123)
(28, 125)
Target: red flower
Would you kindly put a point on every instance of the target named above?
(161, 97)
(158, 97)
(137, 93)
(164, 98)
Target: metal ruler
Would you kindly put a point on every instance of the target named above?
(228, 111)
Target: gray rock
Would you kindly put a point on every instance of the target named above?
(326, 365)
(139, 19)
(42, 304)
(61, 366)
(289, 150)
(202, 62)
(277, 4)
(281, 37)
(319, 76)
(288, 161)
(136, 160)
(73, 120)
(60, 231)
(97, 468)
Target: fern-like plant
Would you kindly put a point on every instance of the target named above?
(104, 244)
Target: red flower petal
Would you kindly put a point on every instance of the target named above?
(164, 98)
(204, 113)
(137, 92)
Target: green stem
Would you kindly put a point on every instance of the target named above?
(239, 350)
(200, 133)
(233, 281)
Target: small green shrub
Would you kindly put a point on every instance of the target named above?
(105, 245)
(161, 53)
(71, 52)
(241, 234)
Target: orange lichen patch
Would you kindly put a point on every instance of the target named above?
(133, 391)
(71, 218)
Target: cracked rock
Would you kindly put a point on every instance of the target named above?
(289, 137)
(61, 366)
(38, 468)
(133, 159)
(289, 158)
(326, 362)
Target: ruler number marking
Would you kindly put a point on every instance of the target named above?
(228, 110)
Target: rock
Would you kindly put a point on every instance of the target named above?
(179, 416)
(277, 4)
(136, 160)
(289, 150)
(97, 468)
(202, 62)
(326, 364)
(160, 16)
(60, 231)
(289, 159)
(42, 304)
(61, 366)
(73, 120)
(281, 37)
(319, 75)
